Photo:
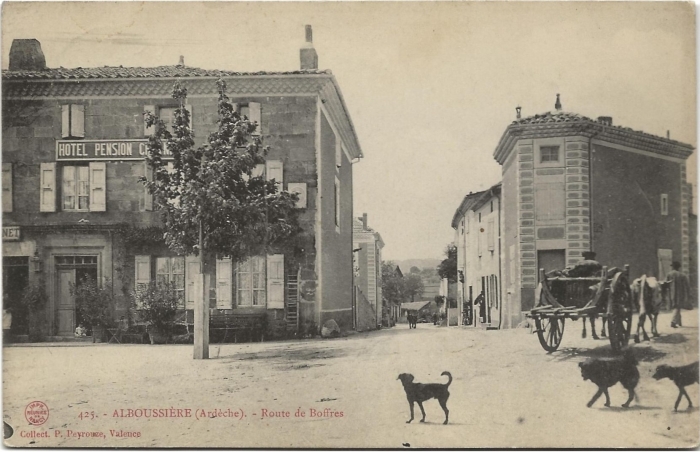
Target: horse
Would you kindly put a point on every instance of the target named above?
(649, 295)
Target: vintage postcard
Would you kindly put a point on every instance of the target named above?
(349, 225)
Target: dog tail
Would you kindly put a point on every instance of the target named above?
(449, 375)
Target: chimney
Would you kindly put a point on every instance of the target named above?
(557, 104)
(182, 61)
(668, 134)
(307, 54)
(364, 221)
(26, 55)
(605, 120)
(517, 111)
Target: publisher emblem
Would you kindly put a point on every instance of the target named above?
(36, 413)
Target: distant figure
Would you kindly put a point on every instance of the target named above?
(680, 293)
(482, 308)
(435, 319)
(80, 331)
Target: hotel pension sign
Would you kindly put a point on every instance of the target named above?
(96, 150)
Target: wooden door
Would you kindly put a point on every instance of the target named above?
(65, 313)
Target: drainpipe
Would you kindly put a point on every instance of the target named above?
(590, 188)
(500, 277)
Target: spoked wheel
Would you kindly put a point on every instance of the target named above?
(619, 312)
(550, 331)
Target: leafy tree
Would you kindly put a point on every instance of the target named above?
(414, 269)
(211, 188)
(393, 285)
(448, 267)
(211, 202)
(93, 302)
(414, 286)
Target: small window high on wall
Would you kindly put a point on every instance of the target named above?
(664, 204)
(72, 121)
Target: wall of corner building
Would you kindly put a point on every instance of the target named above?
(288, 128)
(627, 225)
(335, 300)
(510, 243)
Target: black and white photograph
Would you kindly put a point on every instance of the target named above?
(356, 225)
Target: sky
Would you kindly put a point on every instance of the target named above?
(430, 87)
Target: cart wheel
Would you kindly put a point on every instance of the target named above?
(619, 312)
(550, 331)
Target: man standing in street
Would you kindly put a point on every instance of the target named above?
(680, 292)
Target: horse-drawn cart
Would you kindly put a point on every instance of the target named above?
(607, 296)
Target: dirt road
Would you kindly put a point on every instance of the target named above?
(506, 392)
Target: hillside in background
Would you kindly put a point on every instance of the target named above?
(420, 263)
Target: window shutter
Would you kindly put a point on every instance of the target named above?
(98, 182)
(490, 235)
(47, 201)
(65, 121)
(192, 287)
(7, 187)
(188, 107)
(147, 131)
(275, 281)
(223, 284)
(142, 265)
(77, 120)
(255, 115)
(147, 196)
(275, 170)
(300, 189)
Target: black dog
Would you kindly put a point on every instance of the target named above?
(682, 376)
(607, 372)
(420, 392)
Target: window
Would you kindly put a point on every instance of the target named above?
(76, 186)
(73, 121)
(253, 111)
(461, 227)
(479, 217)
(172, 270)
(83, 187)
(549, 154)
(337, 204)
(300, 189)
(250, 282)
(166, 114)
(664, 204)
(7, 187)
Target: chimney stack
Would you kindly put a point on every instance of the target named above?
(182, 61)
(364, 221)
(517, 111)
(26, 55)
(605, 120)
(307, 54)
(557, 104)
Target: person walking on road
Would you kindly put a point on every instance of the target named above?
(680, 293)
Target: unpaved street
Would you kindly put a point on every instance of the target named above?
(506, 392)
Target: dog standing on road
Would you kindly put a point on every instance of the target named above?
(682, 376)
(606, 372)
(420, 392)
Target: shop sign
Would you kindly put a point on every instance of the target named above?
(10, 233)
(92, 150)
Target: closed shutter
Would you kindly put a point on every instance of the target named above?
(77, 121)
(142, 265)
(7, 187)
(188, 107)
(65, 121)
(147, 131)
(275, 281)
(47, 201)
(98, 189)
(223, 284)
(255, 115)
(147, 196)
(275, 170)
(193, 290)
(300, 189)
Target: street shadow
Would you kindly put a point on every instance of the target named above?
(632, 408)
(287, 355)
(643, 354)
(675, 338)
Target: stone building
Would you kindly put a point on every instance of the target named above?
(367, 246)
(572, 184)
(477, 223)
(73, 147)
